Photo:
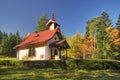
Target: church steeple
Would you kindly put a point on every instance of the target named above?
(52, 24)
(53, 17)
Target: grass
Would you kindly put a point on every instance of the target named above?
(8, 72)
(7, 58)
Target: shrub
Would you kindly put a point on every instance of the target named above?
(45, 64)
(93, 64)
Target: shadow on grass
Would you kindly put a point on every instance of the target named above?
(57, 74)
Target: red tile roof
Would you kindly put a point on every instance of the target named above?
(38, 37)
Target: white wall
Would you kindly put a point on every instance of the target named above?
(39, 51)
(22, 53)
(48, 50)
(52, 27)
(45, 50)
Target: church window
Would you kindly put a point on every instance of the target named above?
(31, 51)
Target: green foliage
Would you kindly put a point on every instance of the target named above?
(65, 64)
(91, 28)
(35, 64)
(45, 64)
(8, 41)
(41, 24)
(74, 43)
(93, 64)
(118, 23)
(96, 28)
(102, 37)
(14, 63)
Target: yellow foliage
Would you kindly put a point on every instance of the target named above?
(114, 34)
(108, 29)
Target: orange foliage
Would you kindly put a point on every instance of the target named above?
(113, 35)
(87, 47)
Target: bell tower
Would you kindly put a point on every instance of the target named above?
(52, 24)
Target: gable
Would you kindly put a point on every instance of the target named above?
(38, 37)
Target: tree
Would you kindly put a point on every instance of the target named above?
(96, 29)
(118, 23)
(41, 24)
(17, 37)
(4, 44)
(7, 42)
(115, 41)
(103, 42)
(74, 43)
(91, 28)
(80, 46)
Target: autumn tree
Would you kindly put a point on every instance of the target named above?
(74, 43)
(80, 46)
(41, 24)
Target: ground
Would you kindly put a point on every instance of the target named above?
(57, 74)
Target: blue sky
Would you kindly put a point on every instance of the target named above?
(72, 15)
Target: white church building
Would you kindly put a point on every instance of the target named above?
(45, 45)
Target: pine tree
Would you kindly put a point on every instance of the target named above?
(17, 37)
(102, 36)
(118, 24)
(4, 44)
(41, 24)
(7, 42)
(91, 28)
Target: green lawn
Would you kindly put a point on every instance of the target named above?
(8, 58)
(57, 74)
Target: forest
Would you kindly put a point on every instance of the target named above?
(101, 39)
(7, 42)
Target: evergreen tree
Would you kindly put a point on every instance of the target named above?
(41, 24)
(4, 44)
(17, 37)
(8, 42)
(91, 28)
(0, 42)
(103, 42)
(118, 24)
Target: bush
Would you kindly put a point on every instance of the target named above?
(93, 64)
(15, 63)
(34, 64)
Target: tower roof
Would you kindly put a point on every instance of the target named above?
(53, 17)
(52, 20)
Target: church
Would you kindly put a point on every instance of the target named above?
(45, 45)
